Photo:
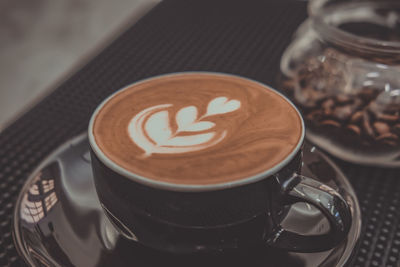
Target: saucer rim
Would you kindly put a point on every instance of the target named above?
(345, 257)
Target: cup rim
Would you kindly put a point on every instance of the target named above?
(189, 187)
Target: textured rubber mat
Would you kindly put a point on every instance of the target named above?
(245, 38)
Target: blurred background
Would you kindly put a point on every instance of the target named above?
(43, 41)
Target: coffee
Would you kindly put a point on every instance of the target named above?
(197, 128)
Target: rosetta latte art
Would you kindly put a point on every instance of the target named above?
(197, 128)
(151, 129)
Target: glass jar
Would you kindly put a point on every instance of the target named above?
(342, 70)
(314, 6)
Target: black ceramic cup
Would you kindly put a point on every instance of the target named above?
(240, 214)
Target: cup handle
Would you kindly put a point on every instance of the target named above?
(332, 205)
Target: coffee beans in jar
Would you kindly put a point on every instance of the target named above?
(343, 72)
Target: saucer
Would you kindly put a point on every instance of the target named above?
(58, 221)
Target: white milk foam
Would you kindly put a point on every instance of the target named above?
(150, 129)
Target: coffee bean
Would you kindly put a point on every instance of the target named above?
(357, 117)
(368, 94)
(357, 104)
(343, 99)
(388, 136)
(367, 125)
(354, 128)
(388, 117)
(331, 123)
(381, 127)
(313, 94)
(328, 104)
(389, 139)
(315, 115)
(343, 113)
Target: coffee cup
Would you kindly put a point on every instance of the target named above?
(206, 162)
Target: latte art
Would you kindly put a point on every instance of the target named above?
(197, 128)
(150, 129)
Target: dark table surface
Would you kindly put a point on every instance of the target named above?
(245, 38)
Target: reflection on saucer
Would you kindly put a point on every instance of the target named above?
(40, 197)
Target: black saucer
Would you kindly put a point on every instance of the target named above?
(58, 221)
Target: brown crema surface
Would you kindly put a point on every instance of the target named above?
(252, 139)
